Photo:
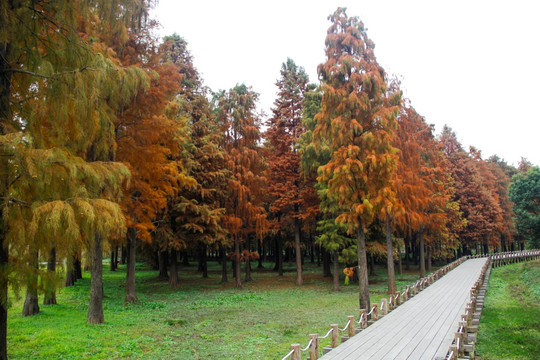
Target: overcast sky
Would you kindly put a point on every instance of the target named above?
(471, 64)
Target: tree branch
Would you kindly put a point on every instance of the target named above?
(19, 71)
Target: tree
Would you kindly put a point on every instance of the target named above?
(502, 173)
(55, 134)
(284, 129)
(198, 210)
(475, 193)
(244, 216)
(358, 120)
(524, 192)
(150, 143)
(424, 188)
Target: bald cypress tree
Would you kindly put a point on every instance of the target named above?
(286, 184)
(357, 120)
(245, 215)
(59, 96)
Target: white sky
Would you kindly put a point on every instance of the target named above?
(471, 64)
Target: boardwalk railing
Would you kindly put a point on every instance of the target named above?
(366, 318)
(465, 337)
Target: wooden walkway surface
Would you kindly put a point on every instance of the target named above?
(421, 328)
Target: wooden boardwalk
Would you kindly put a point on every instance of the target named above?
(421, 328)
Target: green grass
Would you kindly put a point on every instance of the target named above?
(202, 319)
(510, 323)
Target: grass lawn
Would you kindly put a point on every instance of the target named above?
(202, 319)
(510, 323)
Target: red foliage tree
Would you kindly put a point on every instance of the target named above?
(285, 182)
(476, 194)
(245, 215)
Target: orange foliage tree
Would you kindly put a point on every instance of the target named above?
(358, 120)
(422, 183)
(149, 142)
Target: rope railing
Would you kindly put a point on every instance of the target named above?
(288, 355)
(464, 338)
(327, 334)
(373, 315)
(308, 346)
(346, 326)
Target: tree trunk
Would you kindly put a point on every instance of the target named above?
(260, 247)
(50, 292)
(362, 267)
(407, 256)
(400, 262)
(31, 303)
(95, 306)
(185, 258)
(486, 248)
(280, 255)
(173, 270)
(429, 258)
(299, 280)
(112, 265)
(71, 276)
(390, 256)
(422, 257)
(248, 262)
(123, 257)
(203, 264)
(78, 267)
(223, 264)
(312, 248)
(162, 265)
(4, 257)
(5, 118)
(371, 265)
(335, 278)
(237, 262)
(131, 295)
(326, 263)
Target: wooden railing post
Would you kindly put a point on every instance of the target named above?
(296, 355)
(314, 348)
(335, 336)
(350, 330)
(453, 352)
(384, 306)
(459, 343)
(363, 317)
(463, 324)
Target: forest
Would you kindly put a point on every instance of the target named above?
(112, 147)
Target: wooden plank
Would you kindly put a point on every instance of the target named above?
(421, 328)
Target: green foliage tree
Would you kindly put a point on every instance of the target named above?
(197, 210)
(524, 192)
(59, 96)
